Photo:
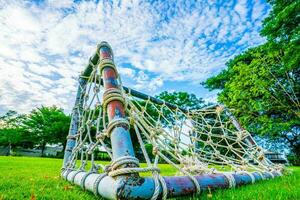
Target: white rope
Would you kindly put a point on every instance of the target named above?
(124, 160)
(112, 94)
(123, 171)
(156, 176)
(116, 123)
(190, 141)
(73, 177)
(270, 173)
(97, 182)
(230, 179)
(261, 175)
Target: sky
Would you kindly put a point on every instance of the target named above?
(158, 45)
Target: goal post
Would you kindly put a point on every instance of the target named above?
(105, 116)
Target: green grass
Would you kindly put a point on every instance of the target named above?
(38, 178)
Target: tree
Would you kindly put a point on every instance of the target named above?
(181, 99)
(263, 83)
(11, 134)
(47, 125)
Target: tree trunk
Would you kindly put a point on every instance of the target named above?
(296, 151)
(64, 145)
(43, 148)
(9, 150)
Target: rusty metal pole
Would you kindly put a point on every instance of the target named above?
(74, 121)
(128, 186)
(120, 137)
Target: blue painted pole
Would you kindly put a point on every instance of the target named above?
(134, 187)
(71, 141)
(120, 138)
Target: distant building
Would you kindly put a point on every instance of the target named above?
(276, 157)
(50, 150)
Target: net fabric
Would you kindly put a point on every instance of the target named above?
(194, 142)
(91, 126)
(197, 140)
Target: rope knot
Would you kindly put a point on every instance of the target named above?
(117, 122)
(155, 150)
(112, 94)
(73, 137)
(100, 136)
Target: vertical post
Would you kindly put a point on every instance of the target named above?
(249, 140)
(120, 138)
(71, 139)
(238, 126)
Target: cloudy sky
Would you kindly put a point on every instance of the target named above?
(158, 45)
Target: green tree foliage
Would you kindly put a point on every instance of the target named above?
(263, 83)
(181, 99)
(11, 134)
(47, 125)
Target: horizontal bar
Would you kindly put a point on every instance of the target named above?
(94, 60)
(146, 97)
(135, 187)
(143, 96)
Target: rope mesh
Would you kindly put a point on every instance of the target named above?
(194, 142)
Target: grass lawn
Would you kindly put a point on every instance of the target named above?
(38, 178)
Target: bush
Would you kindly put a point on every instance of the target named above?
(293, 160)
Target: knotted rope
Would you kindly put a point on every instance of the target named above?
(205, 136)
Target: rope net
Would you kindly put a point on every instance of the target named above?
(194, 142)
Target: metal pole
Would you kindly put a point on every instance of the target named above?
(74, 121)
(143, 96)
(130, 188)
(120, 138)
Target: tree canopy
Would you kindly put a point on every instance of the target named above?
(11, 133)
(47, 125)
(262, 84)
(182, 99)
(44, 125)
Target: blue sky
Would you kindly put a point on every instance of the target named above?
(158, 45)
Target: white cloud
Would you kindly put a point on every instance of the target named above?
(211, 98)
(60, 3)
(45, 46)
(7, 52)
(126, 72)
(241, 8)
